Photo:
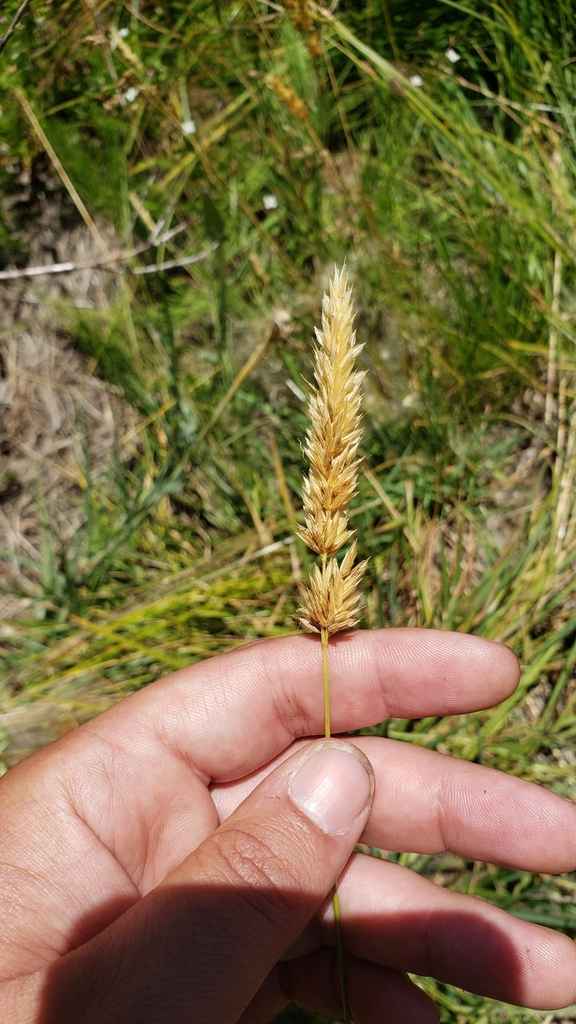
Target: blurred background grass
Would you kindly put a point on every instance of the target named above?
(433, 147)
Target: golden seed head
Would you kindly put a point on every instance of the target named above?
(326, 532)
(331, 602)
(331, 447)
(334, 435)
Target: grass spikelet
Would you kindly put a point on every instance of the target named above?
(332, 443)
(332, 600)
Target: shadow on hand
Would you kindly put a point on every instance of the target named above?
(187, 962)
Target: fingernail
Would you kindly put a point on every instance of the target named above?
(333, 786)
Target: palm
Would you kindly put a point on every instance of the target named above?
(112, 829)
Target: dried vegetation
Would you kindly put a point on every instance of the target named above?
(60, 420)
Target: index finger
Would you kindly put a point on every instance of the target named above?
(229, 716)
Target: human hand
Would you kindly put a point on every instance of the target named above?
(158, 864)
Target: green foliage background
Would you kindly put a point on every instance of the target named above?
(448, 186)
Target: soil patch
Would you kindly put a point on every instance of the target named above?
(57, 417)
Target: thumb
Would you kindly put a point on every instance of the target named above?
(196, 949)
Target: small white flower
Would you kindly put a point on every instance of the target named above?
(416, 80)
(123, 33)
(131, 94)
(452, 55)
(270, 202)
(188, 127)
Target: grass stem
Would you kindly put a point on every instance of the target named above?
(340, 948)
(326, 683)
(325, 637)
(335, 897)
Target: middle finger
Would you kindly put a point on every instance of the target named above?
(426, 802)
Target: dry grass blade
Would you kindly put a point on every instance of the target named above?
(72, 191)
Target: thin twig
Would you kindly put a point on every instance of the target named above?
(4, 39)
(70, 266)
(155, 268)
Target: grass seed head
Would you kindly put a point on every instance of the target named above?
(331, 602)
(334, 435)
(332, 443)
